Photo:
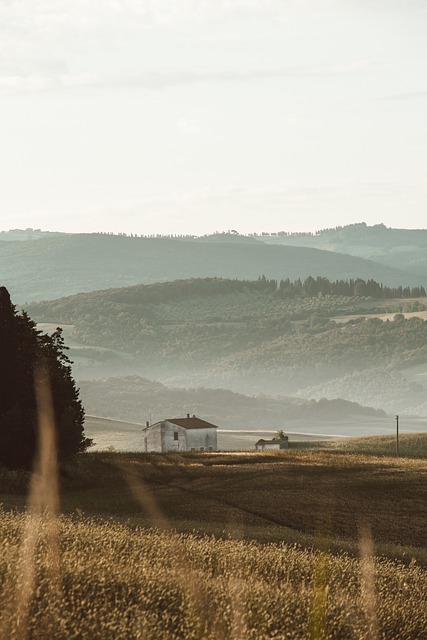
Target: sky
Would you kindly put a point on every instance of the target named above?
(196, 116)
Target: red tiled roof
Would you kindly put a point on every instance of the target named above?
(192, 423)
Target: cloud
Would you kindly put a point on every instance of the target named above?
(62, 44)
(159, 80)
(56, 20)
(43, 15)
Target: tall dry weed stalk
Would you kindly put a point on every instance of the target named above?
(237, 587)
(319, 605)
(238, 597)
(42, 522)
(317, 615)
(367, 579)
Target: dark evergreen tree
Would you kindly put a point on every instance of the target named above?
(23, 350)
(8, 338)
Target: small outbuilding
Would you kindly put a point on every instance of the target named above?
(272, 445)
(180, 434)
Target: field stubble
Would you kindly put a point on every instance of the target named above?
(116, 577)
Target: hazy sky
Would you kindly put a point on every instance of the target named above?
(190, 116)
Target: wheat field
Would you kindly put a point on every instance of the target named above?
(117, 580)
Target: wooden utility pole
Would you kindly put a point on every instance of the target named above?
(397, 435)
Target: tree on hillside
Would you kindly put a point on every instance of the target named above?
(23, 351)
(280, 435)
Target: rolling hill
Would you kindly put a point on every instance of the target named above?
(137, 399)
(61, 265)
(403, 249)
(245, 336)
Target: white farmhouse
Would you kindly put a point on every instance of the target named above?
(180, 434)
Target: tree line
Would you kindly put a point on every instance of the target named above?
(321, 286)
(310, 286)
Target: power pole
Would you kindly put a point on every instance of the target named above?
(397, 435)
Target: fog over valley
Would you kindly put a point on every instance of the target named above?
(317, 341)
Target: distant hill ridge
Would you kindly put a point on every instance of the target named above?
(66, 264)
(133, 398)
(404, 249)
(376, 233)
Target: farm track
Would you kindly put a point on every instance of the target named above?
(244, 510)
(221, 486)
(219, 483)
(262, 518)
(218, 486)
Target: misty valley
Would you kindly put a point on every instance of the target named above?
(331, 352)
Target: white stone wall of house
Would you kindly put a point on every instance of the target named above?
(202, 439)
(153, 438)
(173, 437)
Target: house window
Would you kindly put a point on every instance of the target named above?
(202, 448)
(193, 448)
(210, 448)
(175, 435)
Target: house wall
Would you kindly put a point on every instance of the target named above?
(168, 439)
(267, 445)
(202, 438)
(153, 438)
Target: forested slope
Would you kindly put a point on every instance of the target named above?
(249, 337)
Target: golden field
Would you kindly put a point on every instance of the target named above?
(298, 544)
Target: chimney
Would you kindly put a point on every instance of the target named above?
(147, 424)
(194, 415)
(188, 415)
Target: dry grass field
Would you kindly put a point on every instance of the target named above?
(296, 544)
(121, 581)
(410, 445)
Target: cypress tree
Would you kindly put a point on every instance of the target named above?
(23, 349)
(8, 345)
